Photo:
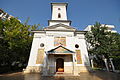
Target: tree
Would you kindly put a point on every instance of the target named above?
(115, 44)
(16, 41)
(98, 39)
(102, 43)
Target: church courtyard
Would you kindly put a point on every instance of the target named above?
(97, 75)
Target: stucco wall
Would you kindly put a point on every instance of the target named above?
(48, 40)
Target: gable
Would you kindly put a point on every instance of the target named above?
(59, 27)
(60, 49)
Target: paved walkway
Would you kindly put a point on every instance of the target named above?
(97, 75)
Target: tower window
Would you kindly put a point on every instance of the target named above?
(59, 16)
(59, 9)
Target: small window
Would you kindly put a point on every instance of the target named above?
(59, 9)
(42, 45)
(76, 46)
(59, 16)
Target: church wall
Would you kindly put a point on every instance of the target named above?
(70, 42)
(54, 23)
(84, 50)
(62, 11)
(49, 43)
(33, 53)
(32, 66)
(68, 60)
(51, 64)
(50, 39)
(34, 49)
(80, 39)
(58, 36)
(68, 64)
(59, 33)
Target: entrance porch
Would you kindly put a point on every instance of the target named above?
(60, 59)
(60, 63)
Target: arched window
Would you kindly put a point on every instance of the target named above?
(59, 16)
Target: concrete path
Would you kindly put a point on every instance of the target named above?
(97, 75)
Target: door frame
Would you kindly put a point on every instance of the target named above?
(62, 61)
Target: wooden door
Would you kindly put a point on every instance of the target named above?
(59, 65)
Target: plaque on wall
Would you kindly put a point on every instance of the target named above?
(40, 56)
(60, 41)
(78, 55)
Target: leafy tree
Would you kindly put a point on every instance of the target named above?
(15, 41)
(115, 44)
(98, 39)
(102, 43)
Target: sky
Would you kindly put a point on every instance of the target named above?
(81, 12)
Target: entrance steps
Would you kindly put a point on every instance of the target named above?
(61, 74)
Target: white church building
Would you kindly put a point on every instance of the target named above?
(59, 47)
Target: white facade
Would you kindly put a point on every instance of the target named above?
(59, 14)
(109, 27)
(60, 47)
(59, 9)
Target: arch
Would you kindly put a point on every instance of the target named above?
(59, 15)
(59, 65)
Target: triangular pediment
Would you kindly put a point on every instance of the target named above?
(60, 49)
(59, 27)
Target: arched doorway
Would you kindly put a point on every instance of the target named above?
(59, 65)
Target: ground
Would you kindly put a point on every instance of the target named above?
(97, 75)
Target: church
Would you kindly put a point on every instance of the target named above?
(59, 47)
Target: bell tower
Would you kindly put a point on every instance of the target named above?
(59, 14)
(59, 11)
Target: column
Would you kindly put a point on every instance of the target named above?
(45, 65)
(75, 71)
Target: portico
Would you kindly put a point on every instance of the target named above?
(60, 59)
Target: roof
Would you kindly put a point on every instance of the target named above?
(60, 49)
(60, 27)
(60, 3)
